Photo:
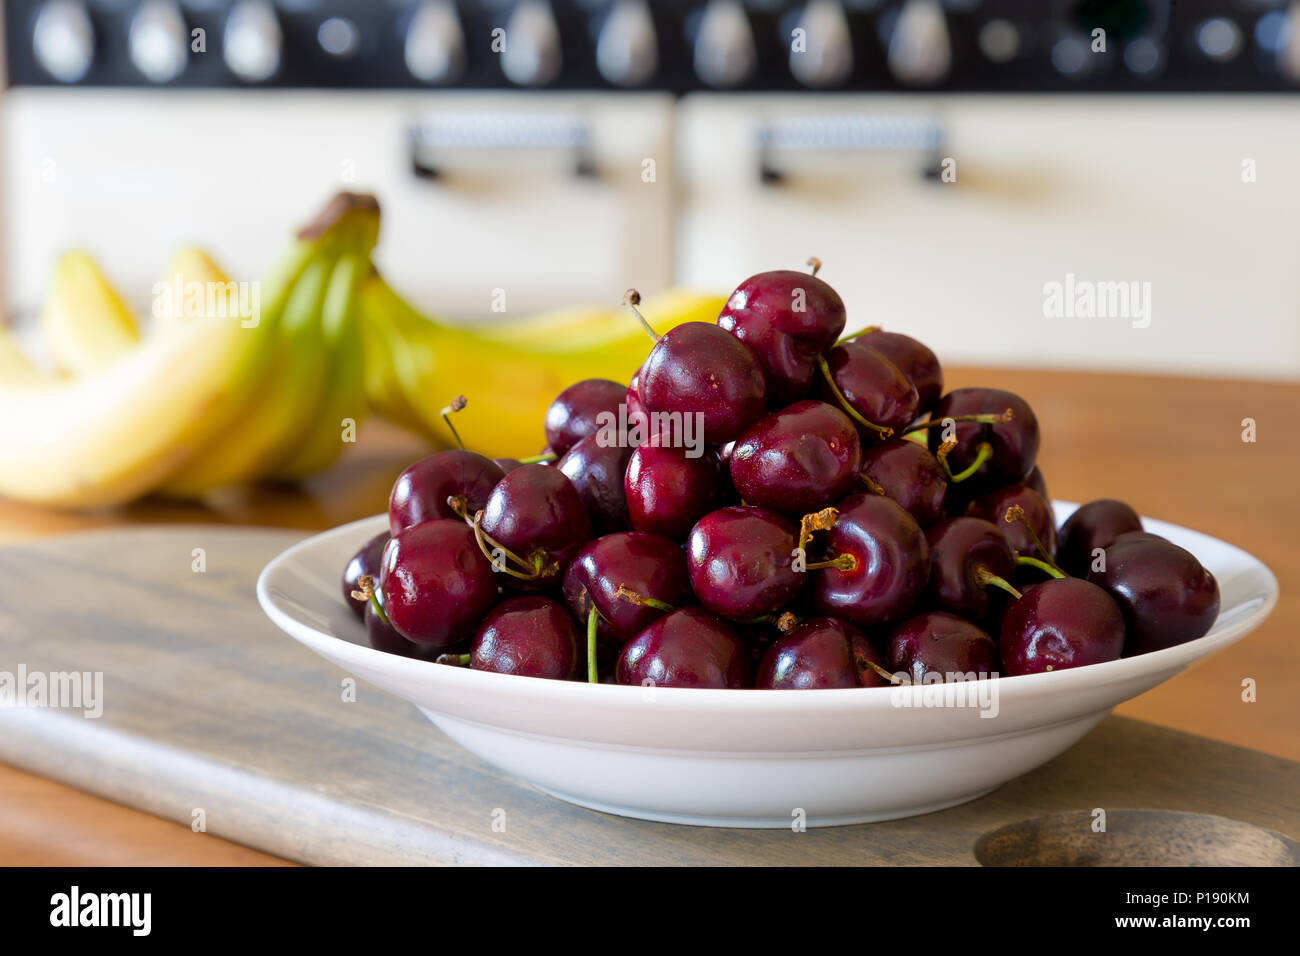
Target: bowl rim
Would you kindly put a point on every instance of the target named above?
(749, 700)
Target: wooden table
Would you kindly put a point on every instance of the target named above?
(1170, 446)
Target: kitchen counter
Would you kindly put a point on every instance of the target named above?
(1172, 447)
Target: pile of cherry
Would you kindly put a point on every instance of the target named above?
(836, 520)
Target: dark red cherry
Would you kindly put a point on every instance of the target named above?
(436, 583)
(800, 459)
(913, 359)
(887, 566)
(365, 561)
(1036, 481)
(667, 490)
(873, 386)
(596, 470)
(992, 507)
(1013, 444)
(535, 514)
(906, 472)
(687, 648)
(938, 647)
(787, 318)
(383, 637)
(1060, 623)
(421, 491)
(530, 636)
(963, 553)
(1092, 529)
(740, 560)
(637, 416)
(701, 368)
(1166, 595)
(821, 652)
(576, 411)
(648, 565)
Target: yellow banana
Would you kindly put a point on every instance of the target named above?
(15, 366)
(508, 386)
(188, 267)
(387, 363)
(84, 322)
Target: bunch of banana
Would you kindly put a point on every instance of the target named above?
(509, 372)
(212, 398)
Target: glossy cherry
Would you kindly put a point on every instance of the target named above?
(367, 560)
(1166, 595)
(531, 636)
(966, 556)
(1060, 623)
(802, 458)
(821, 652)
(687, 648)
(624, 576)
(906, 472)
(992, 507)
(740, 562)
(701, 368)
(943, 644)
(1092, 529)
(667, 490)
(787, 318)
(872, 386)
(1036, 481)
(1012, 445)
(887, 563)
(421, 492)
(536, 522)
(596, 470)
(576, 411)
(436, 583)
(913, 359)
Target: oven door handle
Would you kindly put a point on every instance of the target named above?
(859, 132)
(443, 133)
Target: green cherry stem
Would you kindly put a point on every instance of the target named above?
(366, 592)
(984, 577)
(593, 619)
(853, 413)
(1040, 565)
(843, 562)
(631, 299)
(984, 418)
(860, 332)
(456, 405)
(538, 459)
(896, 679)
(983, 452)
(487, 544)
(1017, 513)
(453, 660)
(632, 597)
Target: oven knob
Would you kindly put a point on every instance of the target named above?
(159, 40)
(626, 51)
(532, 45)
(825, 56)
(919, 50)
(251, 44)
(64, 40)
(435, 43)
(724, 46)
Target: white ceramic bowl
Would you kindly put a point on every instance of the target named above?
(751, 758)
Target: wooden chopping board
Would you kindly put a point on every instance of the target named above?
(208, 707)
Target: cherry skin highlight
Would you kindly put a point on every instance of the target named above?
(576, 412)
(739, 560)
(530, 636)
(687, 648)
(1060, 623)
(798, 459)
(819, 653)
(436, 583)
(421, 491)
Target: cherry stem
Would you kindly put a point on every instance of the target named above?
(1017, 513)
(984, 577)
(632, 597)
(892, 678)
(593, 619)
(853, 413)
(631, 299)
(453, 660)
(843, 562)
(867, 480)
(1041, 565)
(787, 622)
(366, 592)
(456, 405)
(986, 418)
(982, 454)
(822, 520)
(853, 335)
(487, 544)
(538, 459)
(814, 263)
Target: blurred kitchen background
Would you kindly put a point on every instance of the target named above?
(946, 160)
